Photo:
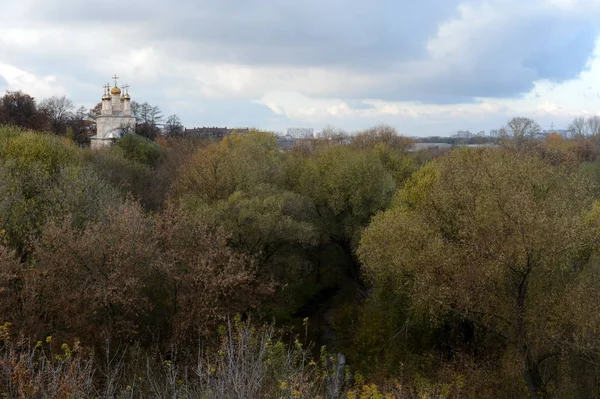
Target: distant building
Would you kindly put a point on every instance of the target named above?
(286, 141)
(301, 132)
(115, 116)
(463, 134)
(429, 146)
(494, 133)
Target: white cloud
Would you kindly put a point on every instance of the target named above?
(18, 79)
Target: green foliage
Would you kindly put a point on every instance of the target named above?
(474, 276)
(81, 193)
(348, 187)
(400, 165)
(139, 149)
(239, 162)
(481, 222)
(24, 150)
(266, 220)
(32, 170)
(129, 176)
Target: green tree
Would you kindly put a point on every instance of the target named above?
(267, 223)
(20, 109)
(239, 162)
(139, 149)
(504, 240)
(348, 188)
(30, 166)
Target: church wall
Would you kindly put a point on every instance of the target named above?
(106, 124)
(100, 143)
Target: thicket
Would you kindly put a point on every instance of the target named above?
(467, 274)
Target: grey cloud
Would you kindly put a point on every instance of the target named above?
(502, 61)
(385, 39)
(350, 33)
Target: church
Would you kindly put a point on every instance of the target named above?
(115, 117)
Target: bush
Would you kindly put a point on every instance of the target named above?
(139, 149)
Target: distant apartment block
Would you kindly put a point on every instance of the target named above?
(301, 132)
(286, 141)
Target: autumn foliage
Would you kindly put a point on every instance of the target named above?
(349, 267)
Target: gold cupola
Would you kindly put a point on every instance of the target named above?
(125, 96)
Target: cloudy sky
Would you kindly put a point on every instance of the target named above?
(427, 67)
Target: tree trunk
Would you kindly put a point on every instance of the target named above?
(531, 374)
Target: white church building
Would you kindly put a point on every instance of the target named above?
(115, 117)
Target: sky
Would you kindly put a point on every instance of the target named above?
(425, 67)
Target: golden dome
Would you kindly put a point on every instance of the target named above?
(126, 97)
(115, 91)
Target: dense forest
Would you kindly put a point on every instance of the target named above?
(188, 268)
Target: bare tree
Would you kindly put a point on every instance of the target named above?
(59, 111)
(593, 125)
(578, 127)
(148, 117)
(82, 125)
(520, 131)
(173, 125)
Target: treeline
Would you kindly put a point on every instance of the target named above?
(59, 115)
(472, 273)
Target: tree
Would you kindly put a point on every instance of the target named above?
(82, 126)
(20, 109)
(239, 162)
(148, 117)
(582, 127)
(30, 164)
(593, 125)
(206, 278)
(173, 126)
(578, 127)
(519, 132)
(268, 223)
(504, 240)
(139, 149)
(102, 273)
(383, 134)
(95, 111)
(348, 188)
(59, 111)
